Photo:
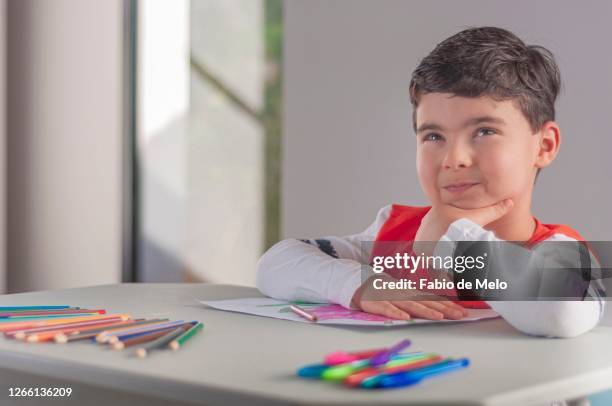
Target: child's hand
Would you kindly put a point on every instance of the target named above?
(436, 309)
(435, 223)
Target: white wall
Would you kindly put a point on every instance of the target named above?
(348, 141)
(64, 139)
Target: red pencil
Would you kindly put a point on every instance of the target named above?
(22, 325)
(19, 334)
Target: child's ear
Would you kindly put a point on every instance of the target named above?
(548, 144)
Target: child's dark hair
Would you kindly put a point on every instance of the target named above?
(491, 61)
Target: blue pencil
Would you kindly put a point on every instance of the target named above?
(8, 308)
(113, 337)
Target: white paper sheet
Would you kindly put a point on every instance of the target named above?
(327, 313)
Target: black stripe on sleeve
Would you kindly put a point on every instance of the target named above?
(327, 247)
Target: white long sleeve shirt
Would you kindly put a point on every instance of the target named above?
(329, 269)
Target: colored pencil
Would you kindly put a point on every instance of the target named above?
(11, 308)
(129, 334)
(36, 337)
(20, 325)
(64, 338)
(13, 319)
(180, 340)
(49, 313)
(144, 337)
(104, 335)
(124, 337)
(111, 336)
(159, 343)
(301, 312)
(21, 334)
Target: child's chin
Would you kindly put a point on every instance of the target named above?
(468, 204)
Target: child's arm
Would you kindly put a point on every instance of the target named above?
(318, 270)
(542, 318)
(330, 270)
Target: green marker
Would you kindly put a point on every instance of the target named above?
(340, 372)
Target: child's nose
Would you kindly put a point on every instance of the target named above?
(457, 156)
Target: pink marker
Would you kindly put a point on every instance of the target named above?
(341, 357)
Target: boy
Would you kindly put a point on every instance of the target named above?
(484, 121)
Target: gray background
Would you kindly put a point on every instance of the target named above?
(348, 142)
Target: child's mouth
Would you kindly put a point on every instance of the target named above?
(457, 188)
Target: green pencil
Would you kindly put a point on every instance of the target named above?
(180, 340)
(159, 343)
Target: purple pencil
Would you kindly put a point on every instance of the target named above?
(113, 336)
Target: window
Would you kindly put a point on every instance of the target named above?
(208, 106)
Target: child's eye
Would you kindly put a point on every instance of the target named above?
(432, 137)
(483, 132)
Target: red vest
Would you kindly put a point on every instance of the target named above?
(404, 222)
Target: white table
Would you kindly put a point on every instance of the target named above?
(240, 358)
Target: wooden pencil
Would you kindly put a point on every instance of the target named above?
(37, 317)
(50, 312)
(143, 338)
(303, 313)
(159, 343)
(64, 338)
(36, 337)
(115, 339)
(180, 340)
(21, 334)
(20, 325)
(26, 308)
(113, 336)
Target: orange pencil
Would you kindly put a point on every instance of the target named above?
(21, 334)
(20, 325)
(51, 334)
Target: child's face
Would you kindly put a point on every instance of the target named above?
(474, 152)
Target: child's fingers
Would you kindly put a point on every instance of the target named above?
(448, 311)
(491, 213)
(419, 310)
(384, 308)
(455, 306)
(439, 301)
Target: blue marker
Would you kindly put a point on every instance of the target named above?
(413, 377)
(312, 371)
